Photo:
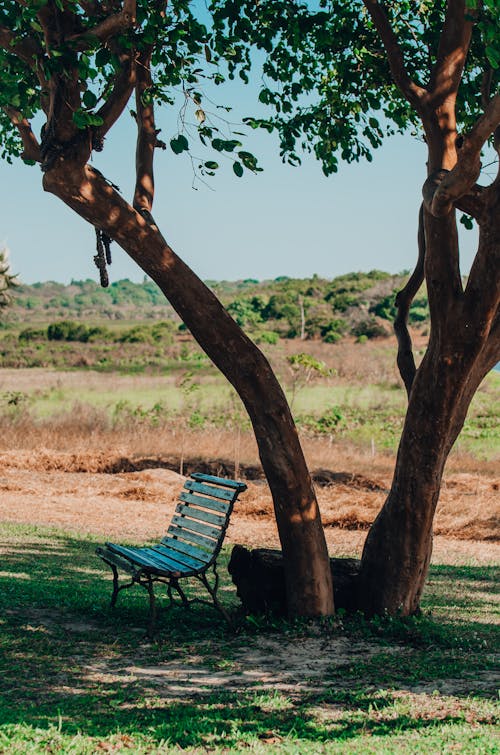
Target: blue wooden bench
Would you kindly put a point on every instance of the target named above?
(189, 549)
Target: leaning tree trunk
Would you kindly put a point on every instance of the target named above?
(463, 347)
(307, 568)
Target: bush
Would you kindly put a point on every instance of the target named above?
(385, 307)
(137, 334)
(333, 331)
(268, 336)
(369, 328)
(32, 334)
(163, 331)
(67, 330)
(99, 333)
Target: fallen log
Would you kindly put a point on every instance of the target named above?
(260, 581)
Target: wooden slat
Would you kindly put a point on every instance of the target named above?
(198, 487)
(133, 554)
(167, 564)
(183, 559)
(219, 480)
(189, 550)
(190, 524)
(208, 503)
(113, 558)
(149, 560)
(200, 514)
(205, 542)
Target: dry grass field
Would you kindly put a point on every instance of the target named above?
(99, 452)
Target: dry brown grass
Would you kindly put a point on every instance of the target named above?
(351, 491)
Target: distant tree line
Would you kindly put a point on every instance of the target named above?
(356, 304)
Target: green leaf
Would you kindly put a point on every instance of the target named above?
(238, 169)
(467, 221)
(211, 165)
(179, 144)
(89, 99)
(82, 120)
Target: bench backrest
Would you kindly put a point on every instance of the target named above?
(201, 518)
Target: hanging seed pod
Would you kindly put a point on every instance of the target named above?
(100, 258)
(106, 240)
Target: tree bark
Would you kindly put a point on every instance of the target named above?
(464, 345)
(308, 577)
(464, 342)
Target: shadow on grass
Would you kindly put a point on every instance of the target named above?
(65, 654)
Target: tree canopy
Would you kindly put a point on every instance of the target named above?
(327, 77)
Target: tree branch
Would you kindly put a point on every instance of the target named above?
(486, 82)
(147, 139)
(483, 285)
(452, 52)
(404, 298)
(412, 91)
(26, 49)
(117, 100)
(473, 203)
(30, 142)
(107, 28)
(443, 188)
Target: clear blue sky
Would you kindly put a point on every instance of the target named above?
(284, 221)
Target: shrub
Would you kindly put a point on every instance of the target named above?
(67, 330)
(99, 333)
(163, 331)
(268, 336)
(32, 334)
(137, 334)
(333, 331)
(369, 328)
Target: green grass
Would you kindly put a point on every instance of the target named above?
(69, 679)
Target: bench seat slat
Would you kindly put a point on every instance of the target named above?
(206, 543)
(149, 561)
(163, 562)
(200, 515)
(190, 524)
(208, 503)
(223, 493)
(107, 555)
(239, 486)
(190, 550)
(184, 561)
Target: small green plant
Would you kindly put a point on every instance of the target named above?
(369, 328)
(268, 336)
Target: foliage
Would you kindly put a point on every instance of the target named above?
(326, 81)
(183, 63)
(369, 328)
(258, 306)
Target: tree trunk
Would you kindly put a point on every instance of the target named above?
(463, 347)
(308, 577)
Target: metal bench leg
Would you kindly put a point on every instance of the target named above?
(175, 584)
(116, 589)
(213, 593)
(152, 608)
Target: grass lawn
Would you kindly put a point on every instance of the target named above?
(76, 677)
